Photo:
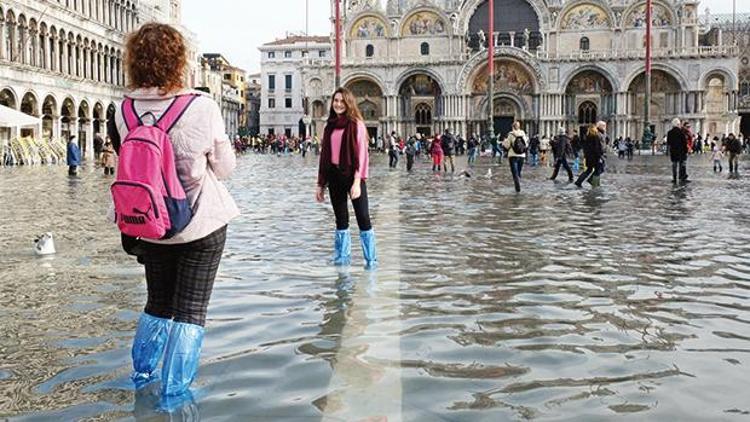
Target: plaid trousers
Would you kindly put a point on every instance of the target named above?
(180, 278)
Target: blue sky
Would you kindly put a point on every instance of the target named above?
(236, 28)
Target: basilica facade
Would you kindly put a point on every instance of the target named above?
(422, 66)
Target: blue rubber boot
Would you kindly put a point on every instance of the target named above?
(151, 335)
(368, 249)
(342, 248)
(181, 360)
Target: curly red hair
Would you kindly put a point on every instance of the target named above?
(156, 57)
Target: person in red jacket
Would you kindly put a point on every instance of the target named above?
(436, 151)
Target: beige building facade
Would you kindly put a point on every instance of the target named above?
(421, 66)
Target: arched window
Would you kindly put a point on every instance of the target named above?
(423, 114)
(369, 50)
(584, 44)
(744, 88)
(424, 49)
(587, 113)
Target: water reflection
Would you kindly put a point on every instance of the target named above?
(557, 303)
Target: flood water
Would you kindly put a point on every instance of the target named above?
(631, 300)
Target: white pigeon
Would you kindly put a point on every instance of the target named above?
(44, 245)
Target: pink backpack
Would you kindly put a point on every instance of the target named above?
(149, 199)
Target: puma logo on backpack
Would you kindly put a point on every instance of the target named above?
(149, 199)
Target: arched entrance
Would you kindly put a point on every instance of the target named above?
(370, 102)
(49, 114)
(666, 102)
(505, 112)
(67, 119)
(419, 90)
(514, 92)
(30, 106)
(588, 98)
(84, 125)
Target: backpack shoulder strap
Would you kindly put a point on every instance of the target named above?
(175, 111)
(129, 115)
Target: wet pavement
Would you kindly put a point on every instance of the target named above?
(629, 300)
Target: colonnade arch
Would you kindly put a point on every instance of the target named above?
(68, 118)
(50, 114)
(8, 98)
(84, 122)
(720, 101)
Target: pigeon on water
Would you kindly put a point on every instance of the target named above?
(44, 244)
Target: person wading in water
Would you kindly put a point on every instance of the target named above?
(344, 163)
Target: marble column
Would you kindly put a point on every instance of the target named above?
(3, 35)
(695, 36)
(89, 141)
(23, 51)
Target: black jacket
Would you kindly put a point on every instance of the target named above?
(592, 149)
(734, 145)
(448, 143)
(677, 143)
(561, 147)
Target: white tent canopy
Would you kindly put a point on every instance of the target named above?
(14, 118)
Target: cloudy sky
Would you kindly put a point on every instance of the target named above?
(237, 28)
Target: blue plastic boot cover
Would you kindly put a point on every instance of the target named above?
(181, 358)
(368, 248)
(342, 254)
(151, 335)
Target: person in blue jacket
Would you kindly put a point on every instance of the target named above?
(73, 157)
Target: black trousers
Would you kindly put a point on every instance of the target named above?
(592, 169)
(180, 278)
(564, 163)
(409, 162)
(679, 168)
(338, 189)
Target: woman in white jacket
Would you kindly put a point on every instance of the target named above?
(180, 271)
(516, 143)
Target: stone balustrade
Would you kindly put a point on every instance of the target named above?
(633, 54)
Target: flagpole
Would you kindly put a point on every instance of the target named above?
(647, 135)
(338, 43)
(491, 70)
(734, 22)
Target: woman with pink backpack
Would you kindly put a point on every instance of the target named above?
(170, 205)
